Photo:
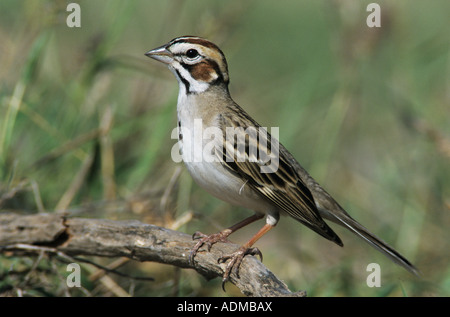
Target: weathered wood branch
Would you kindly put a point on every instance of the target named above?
(135, 240)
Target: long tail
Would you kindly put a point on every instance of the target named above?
(351, 224)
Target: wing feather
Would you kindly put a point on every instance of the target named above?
(284, 188)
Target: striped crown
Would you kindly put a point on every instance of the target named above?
(197, 63)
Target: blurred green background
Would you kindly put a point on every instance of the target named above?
(85, 123)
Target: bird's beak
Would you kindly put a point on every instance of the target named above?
(161, 54)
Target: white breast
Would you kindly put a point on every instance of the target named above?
(212, 176)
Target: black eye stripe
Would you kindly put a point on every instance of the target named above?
(185, 54)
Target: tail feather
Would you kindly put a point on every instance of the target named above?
(351, 224)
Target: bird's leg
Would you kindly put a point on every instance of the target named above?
(237, 256)
(222, 236)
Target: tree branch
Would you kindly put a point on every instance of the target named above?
(135, 240)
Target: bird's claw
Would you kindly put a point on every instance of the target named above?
(235, 260)
(209, 240)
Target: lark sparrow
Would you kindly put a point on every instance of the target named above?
(235, 175)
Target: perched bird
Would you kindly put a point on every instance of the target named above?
(235, 171)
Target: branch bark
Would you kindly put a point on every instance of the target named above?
(135, 240)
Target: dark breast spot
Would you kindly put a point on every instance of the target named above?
(180, 135)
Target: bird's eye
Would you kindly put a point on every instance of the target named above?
(192, 53)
